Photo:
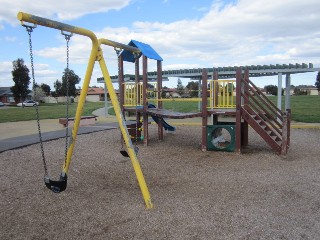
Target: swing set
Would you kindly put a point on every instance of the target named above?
(95, 55)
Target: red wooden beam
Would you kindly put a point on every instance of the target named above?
(204, 109)
(238, 109)
(144, 97)
(159, 91)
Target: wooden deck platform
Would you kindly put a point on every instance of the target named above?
(180, 115)
(170, 114)
(222, 111)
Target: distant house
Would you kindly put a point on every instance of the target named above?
(6, 96)
(94, 95)
(306, 90)
(291, 91)
(171, 93)
(310, 90)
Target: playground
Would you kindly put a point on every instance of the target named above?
(196, 195)
(201, 185)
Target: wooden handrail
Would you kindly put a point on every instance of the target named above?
(276, 111)
(266, 119)
(256, 89)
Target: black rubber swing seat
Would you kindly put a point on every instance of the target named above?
(56, 186)
(125, 153)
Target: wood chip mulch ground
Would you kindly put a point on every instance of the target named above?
(196, 195)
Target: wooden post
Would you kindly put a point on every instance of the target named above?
(159, 91)
(121, 86)
(244, 127)
(204, 109)
(284, 134)
(288, 128)
(238, 109)
(137, 80)
(144, 97)
(288, 108)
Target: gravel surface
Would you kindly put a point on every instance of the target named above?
(196, 195)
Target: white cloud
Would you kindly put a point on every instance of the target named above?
(5, 73)
(43, 74)
(241, 33)
(58, 9)
(227, 34)
(10, 39)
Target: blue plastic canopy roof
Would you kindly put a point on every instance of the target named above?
(145, 49)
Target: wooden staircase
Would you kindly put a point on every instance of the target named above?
(263, 116)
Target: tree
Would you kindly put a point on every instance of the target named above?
(46, 89)
(20, 76)
(180, 87)
(193, 88)
(57, 86)
(73, 80)
(271, 89)
(164, 92)
(61, 87)
(298, 91)
(317, 84)
(39, 94)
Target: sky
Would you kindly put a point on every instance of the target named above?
(186, 34)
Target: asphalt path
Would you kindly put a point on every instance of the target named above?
(26, 140)
(20, 134)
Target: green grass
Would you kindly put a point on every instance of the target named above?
(46, 111)
(304, 109)
(181, 106)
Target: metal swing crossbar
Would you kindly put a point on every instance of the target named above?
(95, 55)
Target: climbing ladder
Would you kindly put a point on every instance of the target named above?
(272, 124)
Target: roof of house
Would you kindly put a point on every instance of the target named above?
(307, 87)
(303, 87)
(95, 91)
(5, 91)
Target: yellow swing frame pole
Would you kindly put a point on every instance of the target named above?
(124, 131)
(96, 54)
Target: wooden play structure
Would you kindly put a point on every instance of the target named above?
(238, 98)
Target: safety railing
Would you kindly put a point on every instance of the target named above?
(221, 94)
(152, 92)
(133, 93)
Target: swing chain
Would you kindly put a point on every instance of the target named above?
(29, 31)
(67, 37)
